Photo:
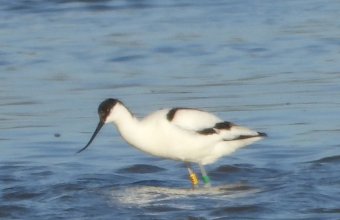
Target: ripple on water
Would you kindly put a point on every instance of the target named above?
(141, 168)
(8, 178)
(228, 210)
(244, 172)
(127, 58)
(19, 194)
(161, 208)
(326, 210)
(6, 211)
(331, 159)
(227, 169)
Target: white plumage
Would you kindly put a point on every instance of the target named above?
(182, 134)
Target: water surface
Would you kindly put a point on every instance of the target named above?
(271, 66)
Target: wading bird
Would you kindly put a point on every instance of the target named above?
(182, 134)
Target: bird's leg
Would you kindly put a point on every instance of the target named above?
(205, 176)
(192, 176)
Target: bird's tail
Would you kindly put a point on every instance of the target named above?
(229, 146)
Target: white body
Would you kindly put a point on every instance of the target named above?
(178, 139)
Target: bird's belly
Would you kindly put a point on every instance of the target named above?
(188, 150)
(171, 143)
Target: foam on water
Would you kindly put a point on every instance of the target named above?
(146, 195)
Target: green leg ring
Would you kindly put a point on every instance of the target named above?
(206, 179)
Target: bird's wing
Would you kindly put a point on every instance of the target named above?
(191, 119)
(205, 123)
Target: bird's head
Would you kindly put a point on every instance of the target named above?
(108, 111)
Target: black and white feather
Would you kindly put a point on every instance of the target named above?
(206, 123)
(184, 134)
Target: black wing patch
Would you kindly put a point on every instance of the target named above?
(171, 114)
(225, 125)
(207, 131)
(242, 137)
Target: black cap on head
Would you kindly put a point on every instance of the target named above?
(105, 107)
(104, 110)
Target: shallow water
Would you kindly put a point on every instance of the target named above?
(272, 66)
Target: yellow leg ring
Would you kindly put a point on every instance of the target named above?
(194, 179)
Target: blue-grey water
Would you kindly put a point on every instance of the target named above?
(269, 65)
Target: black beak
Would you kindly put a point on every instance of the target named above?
(99, 126)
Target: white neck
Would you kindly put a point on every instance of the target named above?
(129, 127)
(123, 117)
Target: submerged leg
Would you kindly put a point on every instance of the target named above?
(205, 176)
(192, 176)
